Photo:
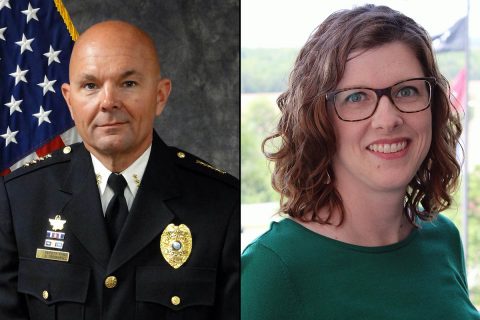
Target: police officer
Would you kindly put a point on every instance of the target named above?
(120, 226)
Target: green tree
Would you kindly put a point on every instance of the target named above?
(473, 214)
(266, 70)
(258, 120)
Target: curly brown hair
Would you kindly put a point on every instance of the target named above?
(305, 137)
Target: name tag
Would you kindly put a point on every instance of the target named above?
(52, 255)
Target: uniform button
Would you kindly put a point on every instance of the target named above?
(175, 300)
(45, 294)
(111, 282)
(67, 150)
(181, 155)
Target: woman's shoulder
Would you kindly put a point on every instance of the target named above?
(439, 224)
(273, 240)
(441, 231)
(285, 245)
(268, 278)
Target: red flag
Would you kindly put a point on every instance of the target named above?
(458, 89)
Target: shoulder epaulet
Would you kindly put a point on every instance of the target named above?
(57, 156)
(190, 161)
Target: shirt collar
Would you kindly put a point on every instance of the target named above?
(133, 174)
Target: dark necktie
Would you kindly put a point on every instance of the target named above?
(117, 209)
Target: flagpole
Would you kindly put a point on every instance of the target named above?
(464, 185)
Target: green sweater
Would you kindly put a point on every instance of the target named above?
(293, 273)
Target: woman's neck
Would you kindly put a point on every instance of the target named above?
(371, 219)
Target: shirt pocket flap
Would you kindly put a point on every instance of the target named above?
(53, 282)
(176, 288)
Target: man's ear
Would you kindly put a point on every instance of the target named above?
(163, 92)
(66, 96)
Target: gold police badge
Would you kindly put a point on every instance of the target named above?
(176, 244)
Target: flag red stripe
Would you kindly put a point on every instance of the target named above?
(459, 90)
(47, 148)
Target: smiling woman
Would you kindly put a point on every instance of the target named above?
(358, 169)
(364, 164)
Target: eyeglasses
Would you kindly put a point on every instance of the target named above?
(357, 104)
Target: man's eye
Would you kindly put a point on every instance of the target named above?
(89, 86)
(129, 84)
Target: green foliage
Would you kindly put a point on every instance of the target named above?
(266, 70)
(474, 232)
(450, 63)
(258, 121)
(454, 214)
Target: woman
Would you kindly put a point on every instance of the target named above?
(365, 162)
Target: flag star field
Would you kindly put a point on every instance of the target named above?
(35, 48)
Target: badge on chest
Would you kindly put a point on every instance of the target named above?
(176, 244)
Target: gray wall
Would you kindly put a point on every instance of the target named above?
(198, 44)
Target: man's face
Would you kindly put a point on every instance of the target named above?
(115, 93)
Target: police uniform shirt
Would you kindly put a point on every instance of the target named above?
(133, 175)
(86, 278)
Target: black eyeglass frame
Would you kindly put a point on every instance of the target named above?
(330, 96)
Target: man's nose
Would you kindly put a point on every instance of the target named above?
(108, 98)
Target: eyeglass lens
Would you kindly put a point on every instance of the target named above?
(358, 104)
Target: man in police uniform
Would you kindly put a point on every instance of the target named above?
(65, 254)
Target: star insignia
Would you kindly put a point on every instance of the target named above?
(19, 75)
(2, 31)
(9, 136)
(57, 223)
(25, 44)
(31, 13)
(42, 116)
(5, 3)
(47, 85)
(52, 55)
(14, 105)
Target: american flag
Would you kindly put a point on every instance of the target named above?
(36, 40)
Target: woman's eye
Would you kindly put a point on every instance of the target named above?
(355, 97)
(407, 92)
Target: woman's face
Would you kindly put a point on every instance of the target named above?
(383, 152)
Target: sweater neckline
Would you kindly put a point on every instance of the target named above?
(337, 243)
